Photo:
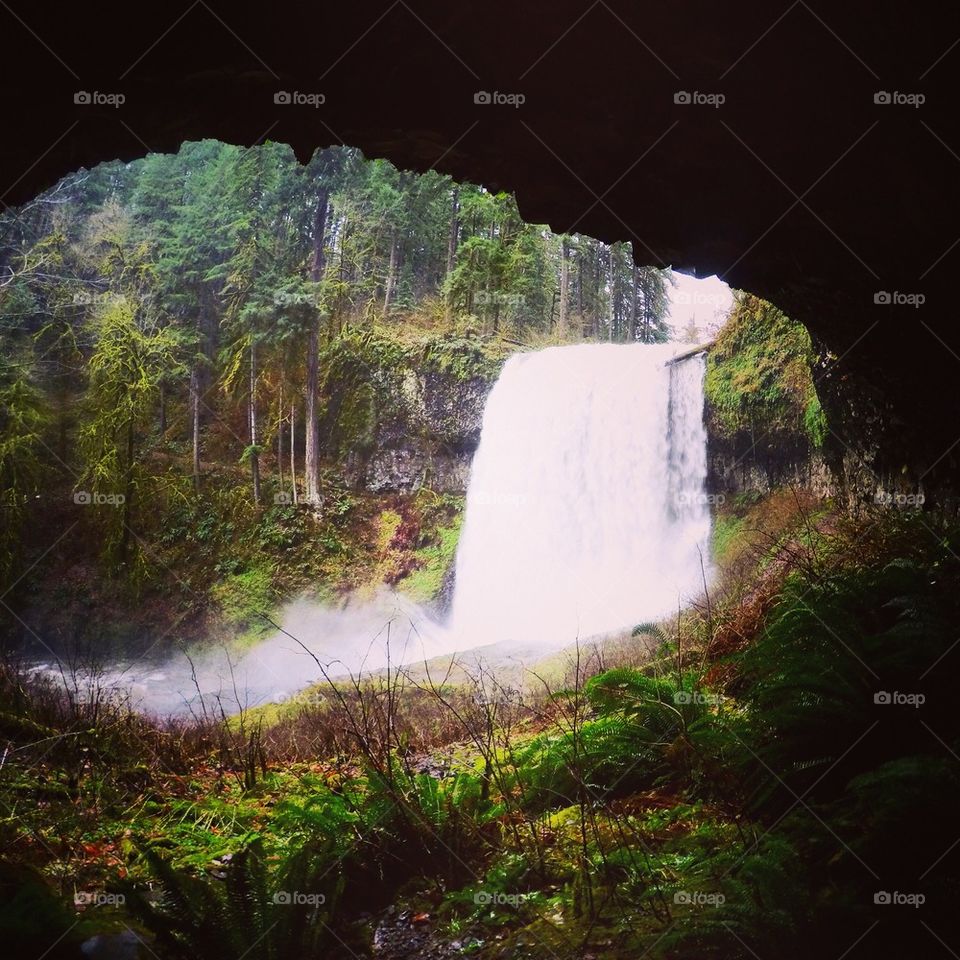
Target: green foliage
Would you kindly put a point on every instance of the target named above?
(825, 654)
(33, 920)
(361, 377)
(22, 420)
(131, 357)
(244, 598)
(434, 559)
(646, 732)
(759, 377)
(726, 531)
(161, 280)
(815, 421)
(463, 358)
(764, 903)
(254, 911)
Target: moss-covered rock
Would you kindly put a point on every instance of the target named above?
(406, 416)
(765, 424)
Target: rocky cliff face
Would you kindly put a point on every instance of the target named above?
(781, 410)
(426, 437)
(746, 463)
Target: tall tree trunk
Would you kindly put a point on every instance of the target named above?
(293, 451)
(344, 236)
(128, 490)
(252, 409)
(564, 288)
(581, 276)
(452, 241)
(312, 452)
(633, 306)
(195, 421)
(391, 273)
(612, 313)
(280, 436)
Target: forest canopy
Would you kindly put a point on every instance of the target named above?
(209, 305)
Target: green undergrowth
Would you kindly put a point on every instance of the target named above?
(759, 376)
(435, 559)
(413, 544)
(646, 808)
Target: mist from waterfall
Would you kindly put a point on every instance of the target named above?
(586, 510)
(585, 515)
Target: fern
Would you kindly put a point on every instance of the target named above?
(251, 913)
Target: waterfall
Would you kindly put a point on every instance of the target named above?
(585, 510)
(585, 514)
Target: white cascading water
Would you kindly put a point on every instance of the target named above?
(585, 510)
(585, 514)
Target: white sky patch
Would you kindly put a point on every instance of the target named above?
(701, 303)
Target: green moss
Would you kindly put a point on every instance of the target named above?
(389, 523)
(726, 531)
(815, 421)
(759, 375)
(424, 584)
(361, 376)
(243, 598)
(464, 358)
